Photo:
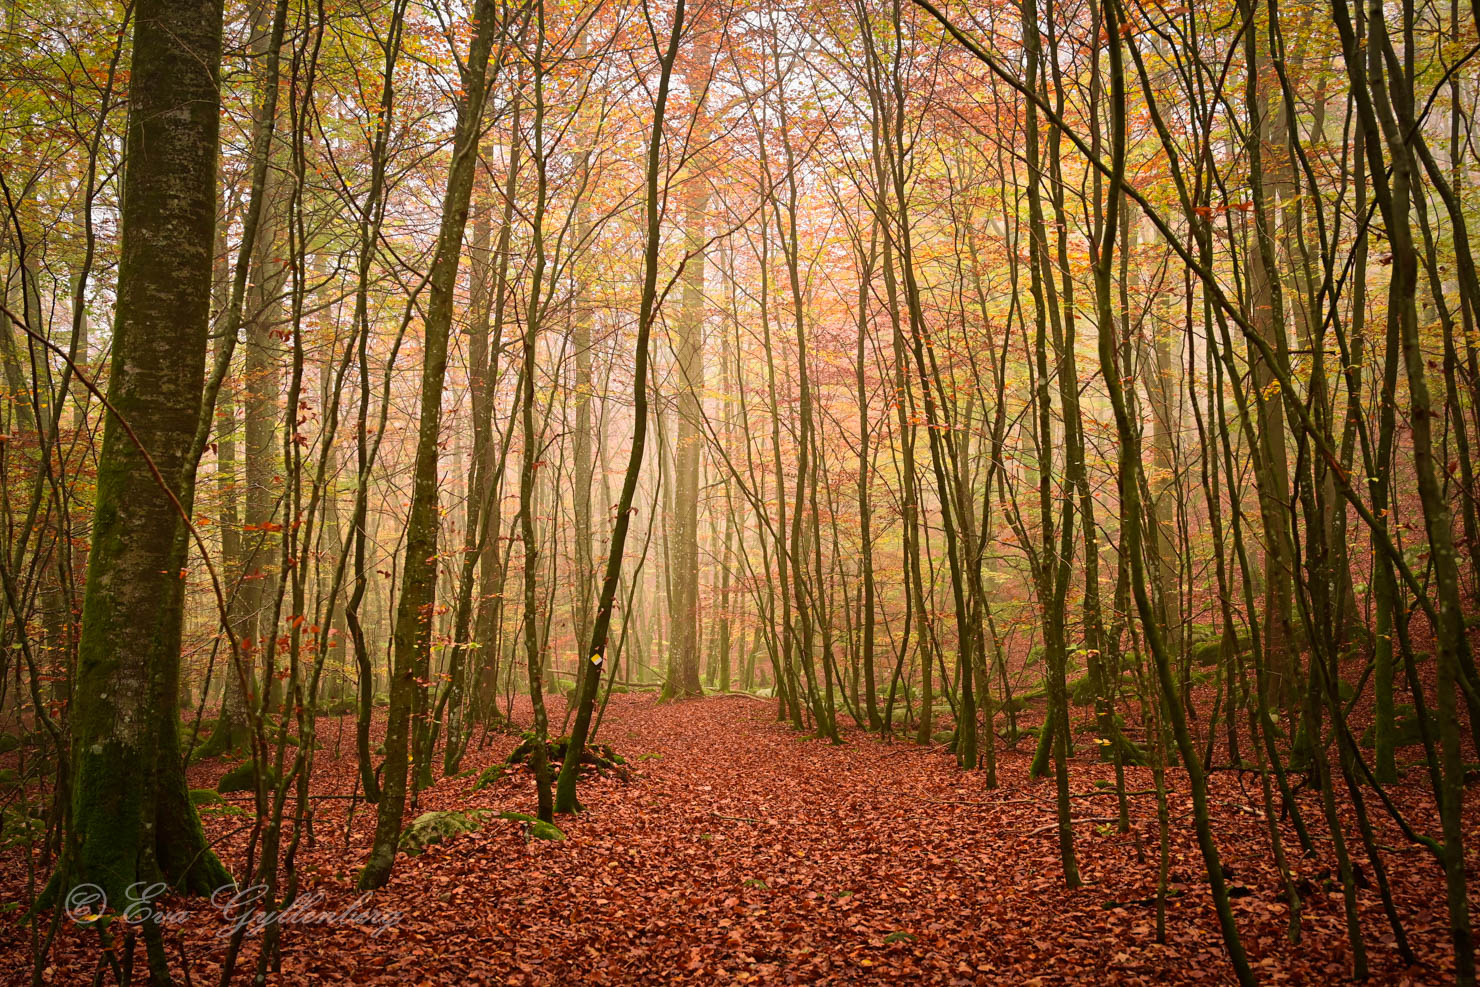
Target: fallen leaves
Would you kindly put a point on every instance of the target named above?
(740, 854)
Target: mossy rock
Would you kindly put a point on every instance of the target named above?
(1203, 632)
(1131, 752)
(490, 775)
(431, 828)
(1082, 691)
(9, 777)
(205, 796)
(1209, 652)
(600, 758)
(1014, 705)
(9, 742)
(942, 736)
(240, 779)
(341, 707)
(1405, 728)
(1206, 653)
(620, 690)
(535, 829)
(600, 755)
(381, 701)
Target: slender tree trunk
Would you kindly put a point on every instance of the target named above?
(412, 634)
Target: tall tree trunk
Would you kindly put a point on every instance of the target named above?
(688, 445)
(589, 676)
(131, 812)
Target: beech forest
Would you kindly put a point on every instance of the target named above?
(552, 492)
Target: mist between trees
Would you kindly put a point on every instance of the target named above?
(1095, 382)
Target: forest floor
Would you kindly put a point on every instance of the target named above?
(742, 852)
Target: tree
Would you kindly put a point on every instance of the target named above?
(413, 628)
(132, 819)
(590, 674)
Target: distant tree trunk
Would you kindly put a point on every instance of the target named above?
(584, 387)
(131, 811)
(534, 650)
(491, 570)
(253, 548)
(865, 471)
(1271, 459)
(687, 446)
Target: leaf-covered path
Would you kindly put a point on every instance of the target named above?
(742, 852)
(745, 853)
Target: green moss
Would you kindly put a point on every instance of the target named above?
(535, 828)
(8, 743)
(220, 740)
(541, 830)
(1082, 691)
(240, 779)
(1206, 653)
(597, 757)
(1405, 727)
(490, 775)
(431, 828)
(1203, 632)
(204, 796)
(523, 817)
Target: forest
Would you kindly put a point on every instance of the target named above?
(739, 491)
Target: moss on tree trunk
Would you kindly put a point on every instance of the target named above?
(131, 811)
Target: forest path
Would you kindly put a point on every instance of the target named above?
(743, 852)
